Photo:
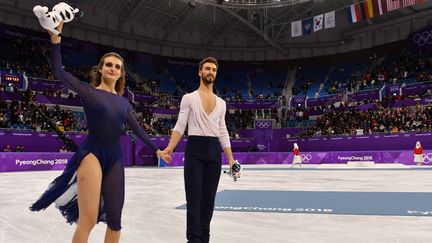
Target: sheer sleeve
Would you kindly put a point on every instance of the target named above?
(138, 130)
(82, 88)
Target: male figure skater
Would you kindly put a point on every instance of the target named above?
(204, 114)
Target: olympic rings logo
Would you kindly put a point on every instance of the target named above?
(305, 158)
(394, 88)
(427, 158)
(298, 100)
(263, 124)
(424, 38)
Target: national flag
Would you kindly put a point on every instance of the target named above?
(370, 7)
(364, 10)
(354, 14)
(307, 26)
(318, 22)
(329, 20)
(393, 5)
(407, 3)
(382, 6)
(296, 28)
(375, 6)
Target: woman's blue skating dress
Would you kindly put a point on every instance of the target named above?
(105, 113)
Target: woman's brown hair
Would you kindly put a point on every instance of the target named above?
(96, 76)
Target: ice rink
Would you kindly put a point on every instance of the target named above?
(152, 195)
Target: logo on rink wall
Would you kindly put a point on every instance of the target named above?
(263, 124)
(356, 158)
(261, 147)
(306, 158)
(427, 157)
(299, 100)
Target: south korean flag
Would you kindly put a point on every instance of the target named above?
(318, 22)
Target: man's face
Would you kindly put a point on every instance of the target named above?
(208, 72)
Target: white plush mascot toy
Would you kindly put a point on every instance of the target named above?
(50, 20)
(66, 12)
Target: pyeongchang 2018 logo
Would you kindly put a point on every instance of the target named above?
(355, 158)
(305, 158)
(424, 38)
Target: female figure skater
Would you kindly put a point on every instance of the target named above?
(297, 157)
(91, 188)
(418, 154)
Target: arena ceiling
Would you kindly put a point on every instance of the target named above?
(268, 20)
(258, 23)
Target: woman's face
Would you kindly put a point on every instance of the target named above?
(111, 69)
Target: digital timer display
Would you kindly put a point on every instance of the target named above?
(12, 78)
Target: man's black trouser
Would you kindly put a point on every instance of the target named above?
(202, 170)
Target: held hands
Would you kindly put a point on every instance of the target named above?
(163, 155)
(168, 150)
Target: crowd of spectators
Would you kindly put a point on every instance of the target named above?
(405, 65)
(381, 120)
(26, 114)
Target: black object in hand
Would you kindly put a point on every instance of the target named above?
(235, 168)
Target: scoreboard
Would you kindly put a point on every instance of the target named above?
(11, 78)
(16, 80)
